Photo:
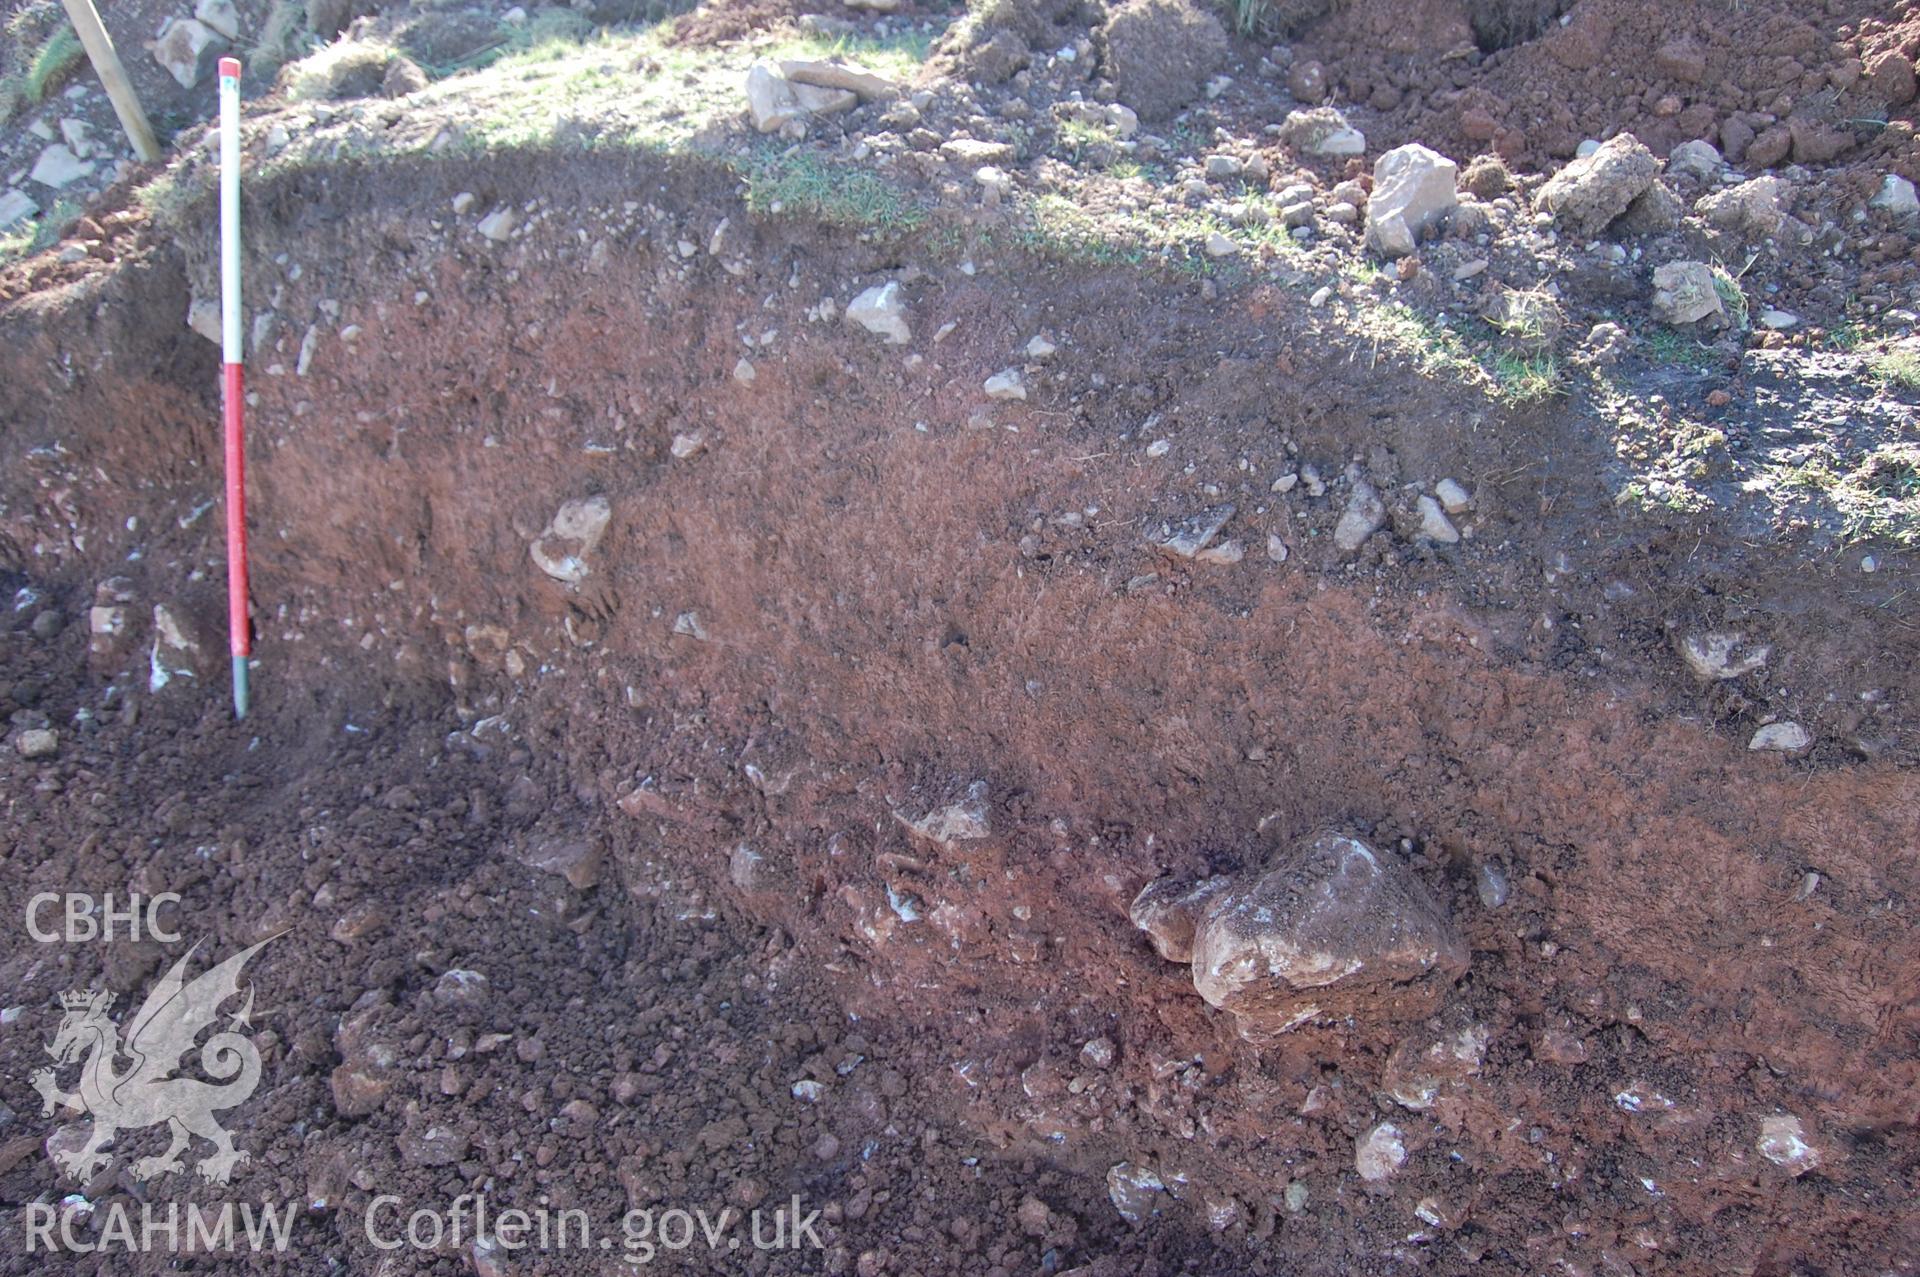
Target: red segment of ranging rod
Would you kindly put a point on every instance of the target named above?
(233, 385)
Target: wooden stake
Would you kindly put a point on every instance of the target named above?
(106, 64)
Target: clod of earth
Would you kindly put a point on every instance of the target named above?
(1161, 53)
(1751, 210)
(1589, 193)
(1322, 131)
(1330, 928)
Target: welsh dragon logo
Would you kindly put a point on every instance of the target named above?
(144, 1091)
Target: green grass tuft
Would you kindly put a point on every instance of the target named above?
(57, 57)
(794, 182)
(1895, 366)
(1527, 378)
(31, 237)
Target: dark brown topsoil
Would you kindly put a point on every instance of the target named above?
(867, 592)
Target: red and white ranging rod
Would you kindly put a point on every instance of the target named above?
(239, 638)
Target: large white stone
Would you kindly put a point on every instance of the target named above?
(188, 48)
(1413, 187)
(882, 310)
(770, 99)
(58, 167)
(222, 16)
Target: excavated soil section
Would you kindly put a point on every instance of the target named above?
(863, 591)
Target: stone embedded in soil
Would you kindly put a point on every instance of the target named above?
(1454, 498)
(575, 859)
(1896, 198)
(188, 49)
(1161, 53)
(1698, 159)
(1006, 384)
(461, 987)
(58, 167)
(1321, 131)
(1684, 293)
(16, 206)
(1785, 737)
(1196, 532)
(882, 310)
(431, 1144)
(1421, 1067)
(490, 1258)
(1379, 1153)
(1330, 928)
(1783, 1141)
(1722, 654)
(969, 820)
(1135, 1191)
(1224, 554)
(1589, 193)
(1413, 187)
(1434, 523)
(1364, 515)
(37, 742)
(179, 649)
(744, 372)
(359, 1088)
(1168, 909)
(498, 225)
(576, 528)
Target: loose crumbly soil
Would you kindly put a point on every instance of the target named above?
(869, 590)
(863, 591)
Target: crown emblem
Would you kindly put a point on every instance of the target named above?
(84, 1000)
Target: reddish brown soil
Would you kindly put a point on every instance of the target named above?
(891, 614)
(1622, 66)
